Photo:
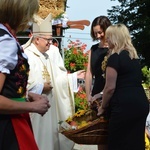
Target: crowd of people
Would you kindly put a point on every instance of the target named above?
(36, 92)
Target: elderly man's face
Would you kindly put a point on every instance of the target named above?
(44, 42)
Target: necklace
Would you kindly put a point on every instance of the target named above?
(104, 63)
(103, 66)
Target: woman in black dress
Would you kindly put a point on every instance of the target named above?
(123, 93)
(96, 56)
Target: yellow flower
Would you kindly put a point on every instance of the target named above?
(82, 124)
(147, 143)
(79, 113)
(69, 119)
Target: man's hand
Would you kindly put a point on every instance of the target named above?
(47, 88)
(81, 74)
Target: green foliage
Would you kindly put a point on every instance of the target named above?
(75, 56)
(59, 16)
(136, 15)
(146, 76)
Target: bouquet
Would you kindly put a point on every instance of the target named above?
(76, 56)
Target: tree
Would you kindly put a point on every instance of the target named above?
(135, 14)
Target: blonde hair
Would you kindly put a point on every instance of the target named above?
(120, 38)
(17, 13)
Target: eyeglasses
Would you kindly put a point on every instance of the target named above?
(48, 40)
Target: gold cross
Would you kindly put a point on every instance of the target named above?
(45, 74)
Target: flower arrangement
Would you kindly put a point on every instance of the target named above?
(75, 57)
(81, 117)
(75, 123)
(80, 100)
(83, 114)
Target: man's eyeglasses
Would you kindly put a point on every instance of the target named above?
(48, 40)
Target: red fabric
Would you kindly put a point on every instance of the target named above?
(23, 130)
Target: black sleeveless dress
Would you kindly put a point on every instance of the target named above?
(15, 130)
(129, 106)
(97, 56)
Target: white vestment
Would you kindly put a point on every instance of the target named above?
(45, 127)
(64, 84)
(64, 87)
(61, 98)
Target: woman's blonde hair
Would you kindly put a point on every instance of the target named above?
(119, 36)
(17, 13)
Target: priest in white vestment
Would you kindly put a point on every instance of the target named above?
(45, 74)
(45, 127)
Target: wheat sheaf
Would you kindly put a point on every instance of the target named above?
(55, 7)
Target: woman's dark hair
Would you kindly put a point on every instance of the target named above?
(103, 22)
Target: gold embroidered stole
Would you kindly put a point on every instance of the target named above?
(45, 73)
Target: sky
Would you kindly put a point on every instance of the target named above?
(85, 10)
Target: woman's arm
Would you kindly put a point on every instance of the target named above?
(111, 77)
(8, 106)
(110, 85)
(2, 80)
(88, 78)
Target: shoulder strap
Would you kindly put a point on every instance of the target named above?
(3, 32)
